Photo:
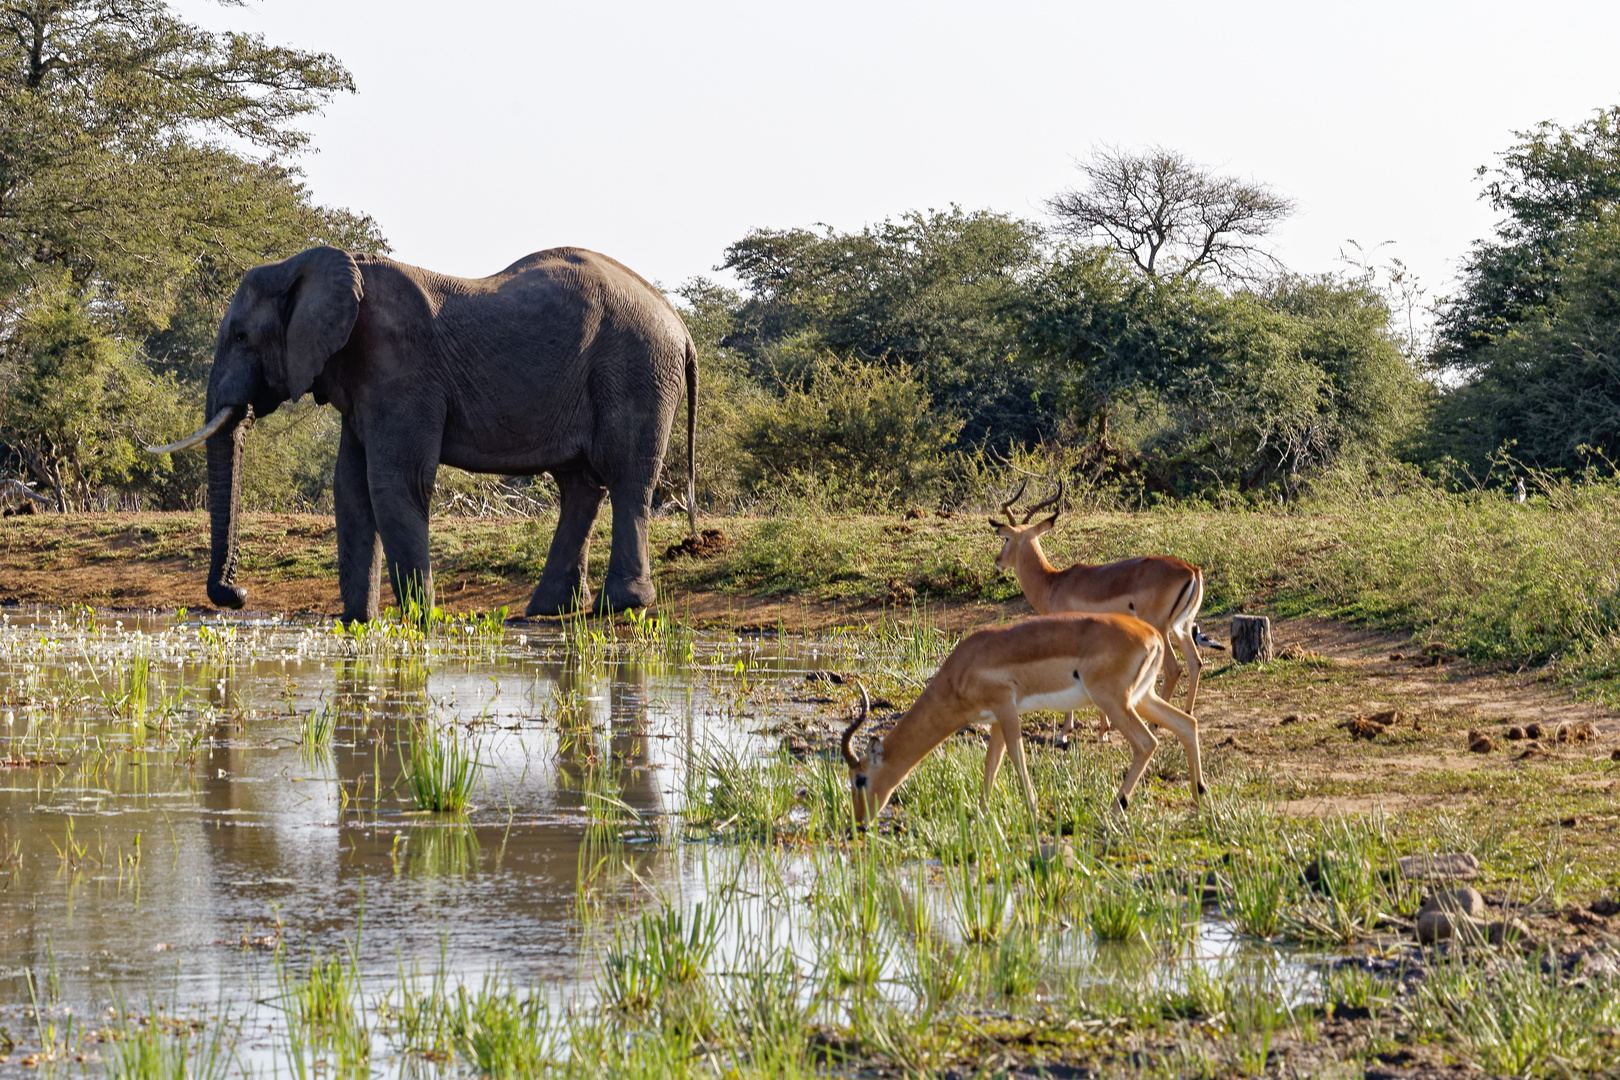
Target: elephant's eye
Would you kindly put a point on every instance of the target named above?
(241, 337)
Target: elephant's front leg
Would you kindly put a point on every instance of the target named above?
(401, 491)
(563, 587)
(360, 553)
(629, 577)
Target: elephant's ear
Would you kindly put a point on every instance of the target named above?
(323, 302)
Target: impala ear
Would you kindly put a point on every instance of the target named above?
(874, 752)
(1044, 527)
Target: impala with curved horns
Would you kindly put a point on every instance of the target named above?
(1162, 590)
(1058, 662)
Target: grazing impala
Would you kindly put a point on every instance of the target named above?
(1161, 590)
(1052, 662)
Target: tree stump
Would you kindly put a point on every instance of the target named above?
(1251, 638)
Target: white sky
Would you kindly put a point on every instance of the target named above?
(659, 132)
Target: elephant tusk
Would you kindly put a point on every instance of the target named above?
(201, 434)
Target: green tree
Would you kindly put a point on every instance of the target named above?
(924, 291)
(1551, 184)
(73, 398)
(868, 428)
(144, 165)
(1549, 384)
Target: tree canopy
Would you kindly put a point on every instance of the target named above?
(143, 167)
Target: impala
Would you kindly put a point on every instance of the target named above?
(1057, 662)
(1162, 590)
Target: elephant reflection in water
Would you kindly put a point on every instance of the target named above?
(597, 758)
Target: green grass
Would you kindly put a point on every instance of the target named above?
(441, 768)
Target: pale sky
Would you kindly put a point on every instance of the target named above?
(660, 132)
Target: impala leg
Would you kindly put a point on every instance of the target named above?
(1185, 728)
(1066, 730)
(1172, 670)
(1013, 735)
(1195, 664)
(992, 762)
(1141, 740)
(1103, 727)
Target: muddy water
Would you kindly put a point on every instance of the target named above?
(174, 842)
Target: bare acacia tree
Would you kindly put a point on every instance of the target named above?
(1172, 217)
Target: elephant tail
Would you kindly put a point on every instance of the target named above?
(691, 436)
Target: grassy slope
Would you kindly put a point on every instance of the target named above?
(1491, 580)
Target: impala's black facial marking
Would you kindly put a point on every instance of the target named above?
(860, 780)
(1076, 676)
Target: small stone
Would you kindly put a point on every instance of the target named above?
(1508, 930)
(1464, 901)
(1515, 733)
(1458, 866)
(1433, 926)
(1533, 730)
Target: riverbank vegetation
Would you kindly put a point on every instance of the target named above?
(1140, 337)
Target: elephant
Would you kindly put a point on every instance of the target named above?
(566, 362)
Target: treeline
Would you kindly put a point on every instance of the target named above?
(1140, 341)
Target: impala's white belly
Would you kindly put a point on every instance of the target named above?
(1068, 699)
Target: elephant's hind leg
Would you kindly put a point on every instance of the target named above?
(563, 586)
(629, 578)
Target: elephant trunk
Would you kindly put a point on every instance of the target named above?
(224, 507)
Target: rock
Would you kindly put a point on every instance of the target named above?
(1433, 926)
(1464, 901)
(1533, 730)
(1480, 743)
(1515, 733)
(1460, 866)
(1506, 931)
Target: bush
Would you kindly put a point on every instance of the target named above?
(869, 426)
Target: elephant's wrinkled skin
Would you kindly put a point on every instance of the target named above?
(565, 362)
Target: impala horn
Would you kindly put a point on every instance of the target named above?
(201, 435)
(849, 733)
(1006, 507)
(1043, 505)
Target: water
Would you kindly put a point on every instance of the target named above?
(166, 831)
